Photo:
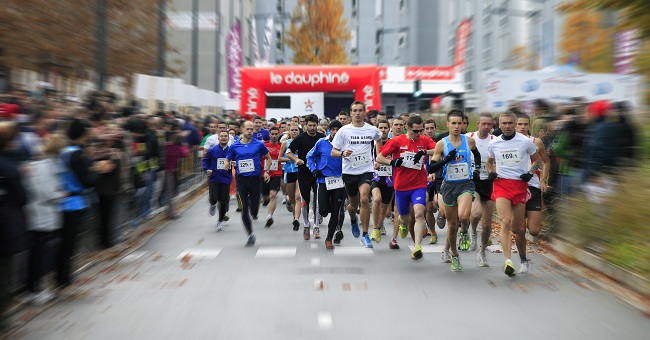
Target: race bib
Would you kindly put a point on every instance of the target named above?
(359, 160)
(274, 165)
(333, 182)
(385, 170)
(221, 163)
(458, 171)
(509, 158)
(246, 165)
(408, 160)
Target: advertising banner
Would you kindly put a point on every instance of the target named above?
(234, 59)
(462, 34)
(626, 45)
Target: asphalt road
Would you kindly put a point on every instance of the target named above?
(190, 282)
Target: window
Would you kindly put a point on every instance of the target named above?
(469, 80)
(402, 40)
(355, 8)
(504, 19)
(278, 102)
(487, 14)
(278, 6)
(403, 5)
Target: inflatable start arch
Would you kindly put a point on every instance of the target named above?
(256, 82)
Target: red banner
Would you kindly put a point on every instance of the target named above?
(461, 41)
(429, 72)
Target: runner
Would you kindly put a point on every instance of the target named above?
(260, 133)
(219, 178)
(291, 177)
(430, 130)
(297, 152)
(482, 208)
(453, 156)
(331, 189)
(270, 189)
(536, 188)
(508, 166)
(354, 142)
(397, 130)
(407, 153)
(247, 153)
(381, 189)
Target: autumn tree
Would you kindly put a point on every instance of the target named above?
(586, 40)
(318, 33)
(519, 58)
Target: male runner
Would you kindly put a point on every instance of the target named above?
(270, 189)
(508, 164)
(219, 178)
(381, 188)
(354, 142)
(260, 133)
(430, 130)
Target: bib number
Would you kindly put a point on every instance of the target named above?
(385, 170)
(408, 161)
(334, 182)
(510, 158)
(274, 165)
(221, 163)
(359, 160)
(246, 166)
(458, 171)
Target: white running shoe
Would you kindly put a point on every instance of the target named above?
(524, 268)
(473, 239)
(482, 260)
(219, 226)
(446, 256)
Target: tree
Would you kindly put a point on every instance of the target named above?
(519, 58)
(586, 41)
(632, 13)
(318, 33)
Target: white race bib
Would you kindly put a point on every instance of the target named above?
(274, 165)
(408, 157)
(246, 165)
(458, 171)
(359, 160)
(385, 170)
(221, 164)
(333, 182)
(509, 158)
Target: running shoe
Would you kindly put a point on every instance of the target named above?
(403, 231)
(509, 269)
(473, 245)
(269, 222)
(463, 243)
(226, 218)
(446, 256)
(213, 209)
(238, 209)
(365, 241)
(355, 228)
(305, 233)
(219, 226)
(251, 240)
(434, 238)
(284, 200)
(254, 218)
(524, 268)
(329, 245)
(289, 207)
(393, 244)
(383, 230)
(296, 225)
(455, 264)
(441, 222)
(375, 235)
(417, 253)
(482, 260)
(338, 236)
(316, 233)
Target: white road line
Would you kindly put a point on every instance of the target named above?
(200, 253)
(275, 252)
(325, 320)
(353, 251)
(315, 261)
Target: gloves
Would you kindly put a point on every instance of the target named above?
(418, 156)
(476, 175)
(397, 162)
(317, 173)
(526, 177)
(450, 156)
(492, 176)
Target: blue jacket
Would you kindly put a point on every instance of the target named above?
(320, 158)
(76, 199)
(210, 161)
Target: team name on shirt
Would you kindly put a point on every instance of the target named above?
(360, 139)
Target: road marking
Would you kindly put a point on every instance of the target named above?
(325, 320)
(315, 261)
(200, 253)
(353, 251)
(275, 252)
(430, 248)
(134, 256)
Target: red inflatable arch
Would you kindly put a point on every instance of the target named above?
(256, 82)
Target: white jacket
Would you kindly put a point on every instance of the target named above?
(44, 192)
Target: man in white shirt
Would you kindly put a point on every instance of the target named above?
(354, 142)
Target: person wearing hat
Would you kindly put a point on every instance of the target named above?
(327, 171)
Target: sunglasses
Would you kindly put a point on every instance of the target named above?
(417, 131)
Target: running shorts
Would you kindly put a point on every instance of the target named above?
(290, 177)
(386, 191)
(272, 185)
(404, 199)
(353, 182)
(483, 189)
(450, 191)
(514, 190)
(535, 201)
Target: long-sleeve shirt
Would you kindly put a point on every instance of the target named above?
(172, 154)
(214, 160)
(320, 158)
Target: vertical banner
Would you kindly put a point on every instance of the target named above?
(461, 42)
(234, 59)
(626, 45)
(268, 39)
(256, 46)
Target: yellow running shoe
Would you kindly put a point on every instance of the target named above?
(434, 238)
(509, 269)
(376, 235)
(403, 231)
(417, 253)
